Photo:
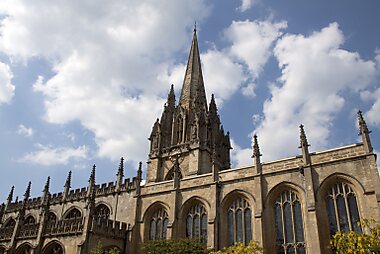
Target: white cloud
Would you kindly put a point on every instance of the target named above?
(252, 42)
(315, 72)
(249, 90)
(109, 61)
(25, 131)
(6, 87)
(246, 5)
(240, 156)
(49, 156)
(221, 75)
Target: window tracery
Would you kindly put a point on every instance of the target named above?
(239, 225)
(73, 214)
(289, 224)
(158, 225)
(196, 223)
(342, 209)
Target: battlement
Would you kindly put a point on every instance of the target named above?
(109, 228)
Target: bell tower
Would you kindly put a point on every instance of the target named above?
(190, 131)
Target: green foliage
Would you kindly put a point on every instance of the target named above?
(252, 248)
(357, 243)
(181, 246)
(99, 250)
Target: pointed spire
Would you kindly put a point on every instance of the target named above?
(256, 155)
(139, 171)
(304, 145)
(171, 97)
(120, 171)
(193, 86)
(27, 191)
(68, 180)
(10, 196)
(364, 132)
(212, 108)
(47, 185)
(91, 181)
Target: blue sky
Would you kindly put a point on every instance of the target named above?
(81, 82)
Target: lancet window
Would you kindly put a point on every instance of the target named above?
(239, 222)
(10, 223)
(158, 225)
(289, 224)
(102, 212)
(196, 223)
(52, 218)
(29, 220)
(342, 209)
(73, 214)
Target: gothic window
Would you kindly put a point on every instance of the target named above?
(53, 248)
(73, 214)
(239, 225)
(196, 223)
(29, 220)
(24, 249)
(158, 225)
(51, 217)
(170, 175)
(102, 212)
(342, 209)
(288, 224)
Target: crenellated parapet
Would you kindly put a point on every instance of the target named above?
(109, 228)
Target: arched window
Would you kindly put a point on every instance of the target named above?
(170, 175)
(53, 248)
(24, 249)
(158, 225)
(51, 218)
(73, 214)
(289, 224)
(196, 223)
(342, 209)
(102, 213)
(29, 220)
(239, 225)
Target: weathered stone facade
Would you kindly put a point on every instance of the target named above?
(289, 206)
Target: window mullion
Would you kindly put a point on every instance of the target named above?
(336, 208)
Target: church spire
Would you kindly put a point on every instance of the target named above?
(193, 86)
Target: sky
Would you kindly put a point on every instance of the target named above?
(82, 82)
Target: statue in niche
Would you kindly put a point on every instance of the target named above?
(194, 130)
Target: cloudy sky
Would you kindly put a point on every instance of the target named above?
(81, 82)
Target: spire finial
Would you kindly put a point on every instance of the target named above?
(92, 176)
(139, 171)
(47, 185)
(364, 132)
(256, 148)
(27, 191)
(120, 171)
(195, 26)
(10, 196)
(303, 138)
(68, 180)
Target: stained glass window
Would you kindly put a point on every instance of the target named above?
(239, 227)
(289, 224)
(342, 209)
(158, 225)
(196, 223)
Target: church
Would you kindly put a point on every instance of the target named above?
(291, 205)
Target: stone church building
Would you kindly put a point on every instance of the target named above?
(292, 205)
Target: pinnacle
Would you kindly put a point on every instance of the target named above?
(27, 191)
(303, 138)
(10, 196)
(120, 171)
(47, 184)
(92, 176)
(256, 148)
(68, 180)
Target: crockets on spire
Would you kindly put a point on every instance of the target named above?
(304, 145)
(193, 90)
(68, 181)
(27, 192)
(364, 132)
(256, 155)
(10, 196)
